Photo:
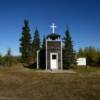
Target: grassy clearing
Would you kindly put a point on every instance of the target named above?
(88, 69)
(26, 84)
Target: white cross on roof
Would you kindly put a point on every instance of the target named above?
(53, 28)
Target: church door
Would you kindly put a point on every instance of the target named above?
(54, 61)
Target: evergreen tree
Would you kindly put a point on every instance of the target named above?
(98, 57)
(44, 43)
(8, 58)
(42, 53)
(25, 45)
(1, 59)
(35, 44)
(68, 52)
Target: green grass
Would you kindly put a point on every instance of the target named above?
(26, 84)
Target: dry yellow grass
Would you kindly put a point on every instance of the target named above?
(26, 84)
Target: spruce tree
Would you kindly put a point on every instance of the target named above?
(98, 57)
(8, 58)
(35, 44)
(1, 60)
(44, 43)
(42, 54)
(25, 45)
(68, 52)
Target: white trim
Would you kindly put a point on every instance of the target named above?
(54, 53)
(46, 54)
(61, 57)
(37, 59)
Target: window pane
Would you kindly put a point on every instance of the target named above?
(53, 56)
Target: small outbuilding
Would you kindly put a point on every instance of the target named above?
(51, 57)
(54, 52)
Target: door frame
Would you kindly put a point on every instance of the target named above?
(52, 53)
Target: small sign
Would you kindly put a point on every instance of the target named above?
(81, 61)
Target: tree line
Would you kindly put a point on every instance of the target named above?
(8, 59)
(92, 55)
(29, 46)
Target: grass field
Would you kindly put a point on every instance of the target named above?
(27, 84)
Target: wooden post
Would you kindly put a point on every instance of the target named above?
(37, 59)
